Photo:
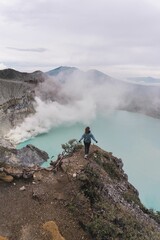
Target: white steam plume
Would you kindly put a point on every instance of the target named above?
(77, 99)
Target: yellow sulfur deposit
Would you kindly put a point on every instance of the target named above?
(52, 227)
(3, 238)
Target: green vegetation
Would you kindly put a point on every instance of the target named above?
(90, 184)
(153, 214)
(72, 146)
(71, 207)
(108, 165)
(131, 197)
(112, 220)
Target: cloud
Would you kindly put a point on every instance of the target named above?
(82, 33)
(28, 49)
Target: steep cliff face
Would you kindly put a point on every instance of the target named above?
(16, 97)
(16, 102)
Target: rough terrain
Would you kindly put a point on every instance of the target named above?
(85, 199)
(75, 198)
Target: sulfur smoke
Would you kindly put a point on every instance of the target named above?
(68, 100)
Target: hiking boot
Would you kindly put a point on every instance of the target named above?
(85, 156)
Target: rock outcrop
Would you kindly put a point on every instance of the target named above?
(4, 177)
(106, 204)
(22, 163)
(28, 156)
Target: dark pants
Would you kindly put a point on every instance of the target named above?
(86, 147)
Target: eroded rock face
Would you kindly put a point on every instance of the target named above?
(17, 92)
(16, 103)
(28, 156)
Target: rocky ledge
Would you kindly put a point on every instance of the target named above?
(20, 163)
(75, 199)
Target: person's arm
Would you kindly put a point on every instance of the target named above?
(81, 138)
(93, 138)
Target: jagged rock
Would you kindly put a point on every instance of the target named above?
(6, 178)
(28, 156)
(13, 171)
(52, 227)
(41, 153)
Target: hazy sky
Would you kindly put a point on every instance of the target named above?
(118, 37)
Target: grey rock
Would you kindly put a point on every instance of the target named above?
(17, 92)
(23, 188)
(28, 156)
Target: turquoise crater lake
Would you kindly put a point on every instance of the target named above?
(135, 138)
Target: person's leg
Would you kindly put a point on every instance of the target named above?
(87, 146)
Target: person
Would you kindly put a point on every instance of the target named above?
(87, 136)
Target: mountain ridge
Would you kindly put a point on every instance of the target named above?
(12, 74)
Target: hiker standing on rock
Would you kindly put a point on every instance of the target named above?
(87, 140)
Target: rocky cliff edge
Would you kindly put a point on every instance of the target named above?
(74, 199)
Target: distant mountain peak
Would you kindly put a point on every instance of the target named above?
(61, 69)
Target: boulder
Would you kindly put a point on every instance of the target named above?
(6, 178)
(28, 156)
